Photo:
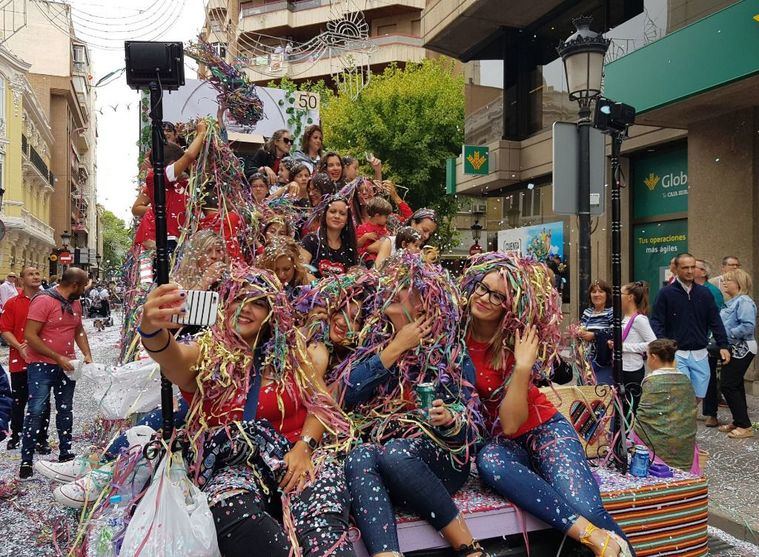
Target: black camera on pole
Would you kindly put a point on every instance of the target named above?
(158, 66)
(612, 116)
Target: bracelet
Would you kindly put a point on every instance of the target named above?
(143, 334)
(165, 346)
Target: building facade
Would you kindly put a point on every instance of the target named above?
(26, 142)
(690, 162)
(268, 34)
(62, 83)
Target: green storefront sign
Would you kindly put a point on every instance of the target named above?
(654, 245)
(476, 159)
(660, 184)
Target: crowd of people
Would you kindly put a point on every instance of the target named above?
(365, 376)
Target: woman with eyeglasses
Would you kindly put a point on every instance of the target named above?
(636, 335)
(534, 457)
(250, 385)
(596, 330)
(259, 187)
(267, 158)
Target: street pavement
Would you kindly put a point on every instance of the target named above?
(33, 525)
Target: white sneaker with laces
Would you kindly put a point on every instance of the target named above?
(85, 490)
(63, 472)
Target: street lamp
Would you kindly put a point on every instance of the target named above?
(583, 56)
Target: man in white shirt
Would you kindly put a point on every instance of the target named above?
(729, 263)
(8, 289)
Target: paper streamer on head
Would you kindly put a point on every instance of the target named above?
(530, 301)
(236, 93)
(437, 360)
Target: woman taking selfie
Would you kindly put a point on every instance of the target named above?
(249, 384)
(534, 457)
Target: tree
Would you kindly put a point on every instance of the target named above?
(117, 238)
(413, 119)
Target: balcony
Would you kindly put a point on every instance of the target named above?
(34, 166)
(378, 52)
(37, 228)
(216, 7)
(304, 13)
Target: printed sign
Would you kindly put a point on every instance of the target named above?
(654, 246)
(660, 184)
(65, 258)
(537, 241)
(476, 159)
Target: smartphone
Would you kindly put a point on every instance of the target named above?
(369, 157)
(202, 307)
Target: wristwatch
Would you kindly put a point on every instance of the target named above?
(310, 442)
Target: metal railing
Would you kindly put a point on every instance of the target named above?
(25, 145)
(37, 161)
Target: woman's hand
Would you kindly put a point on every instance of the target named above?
(162, 303)
(212, 275)
(412, 334)
(439, 414)
(587, 336)
(299, 467)
(526, 349)
(392, 191)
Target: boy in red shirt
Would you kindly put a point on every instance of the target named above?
(370, 234)
(12, 323)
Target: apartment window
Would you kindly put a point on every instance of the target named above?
(416, 27)
(386, 29)
(79, 55)
(220, 49)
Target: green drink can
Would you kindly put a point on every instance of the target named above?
(425, 392)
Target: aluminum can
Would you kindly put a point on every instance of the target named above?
(425, 393)
(641, 460)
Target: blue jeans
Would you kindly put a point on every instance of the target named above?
(412, 472)
(153, 419)
(43, 377)
(545, 473)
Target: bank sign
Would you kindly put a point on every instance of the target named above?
(660, 184)
(537, 241)
(476, 159)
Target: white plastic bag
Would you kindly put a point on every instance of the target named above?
(172, 519)
(129, 389)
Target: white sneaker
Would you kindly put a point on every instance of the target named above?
(85, 490)
(63, 472)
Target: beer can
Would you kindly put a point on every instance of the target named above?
(641, 460)
(425, 393)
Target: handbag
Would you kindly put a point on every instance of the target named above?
(173, 518)
(588, 409)
(739, 349)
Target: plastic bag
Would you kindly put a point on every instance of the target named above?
(129, 389)
(172, 519)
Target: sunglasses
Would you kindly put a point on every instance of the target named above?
(287, 140)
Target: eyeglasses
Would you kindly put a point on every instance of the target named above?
(287, 140)
(495, 298)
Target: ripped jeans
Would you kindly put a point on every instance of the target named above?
(412, 472)
(545, 473)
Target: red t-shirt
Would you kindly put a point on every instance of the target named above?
(232, 224)
(489, 380)
(405, 211)
(176, 200)
(368, 228)
(146, 229)
(13, 320)
(58, 327)
(288, 420)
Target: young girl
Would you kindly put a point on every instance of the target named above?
(636, 334)
(423, 221)
(534, 457)
(332, 249)
(411, 339)
(259, 187)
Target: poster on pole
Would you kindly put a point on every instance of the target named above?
(537, 241)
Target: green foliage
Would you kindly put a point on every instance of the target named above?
(117, 238)
(297, 118)
(413, 119)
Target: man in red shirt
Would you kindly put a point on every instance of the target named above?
(12, 324)
(53, 325)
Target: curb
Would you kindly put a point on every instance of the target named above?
(727, 523)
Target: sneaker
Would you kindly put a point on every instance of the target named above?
(63, 472)
(13, 444)
(84, 490)
(26, 472)
(42, 448)
(66, 457)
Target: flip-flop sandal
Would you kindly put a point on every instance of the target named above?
(726, 428)
(744, 434)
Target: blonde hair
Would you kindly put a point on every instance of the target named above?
(742, 279)
(189, 273)
(284, 246)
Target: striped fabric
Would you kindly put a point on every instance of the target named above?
(664, 518)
